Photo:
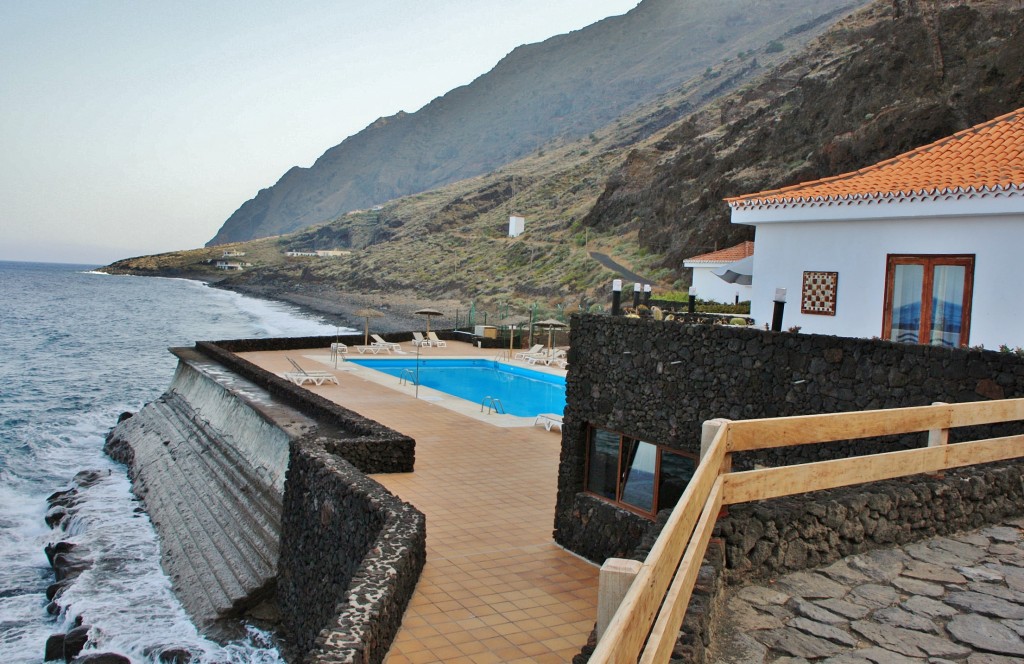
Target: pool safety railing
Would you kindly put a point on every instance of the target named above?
(503, 356)
(641, 606)
(407, 377)
(492, 403)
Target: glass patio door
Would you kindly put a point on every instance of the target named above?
(928, 299)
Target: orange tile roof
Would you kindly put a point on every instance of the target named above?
(986, 157)
(740, 251)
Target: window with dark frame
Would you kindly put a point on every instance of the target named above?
(928, 299)
(639, 476)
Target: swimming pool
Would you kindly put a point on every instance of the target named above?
(522, 392)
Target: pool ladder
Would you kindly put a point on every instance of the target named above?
(492, 403)
(407, 377)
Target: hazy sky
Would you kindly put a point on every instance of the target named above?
(131, 128)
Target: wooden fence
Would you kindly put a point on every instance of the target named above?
(646, 624)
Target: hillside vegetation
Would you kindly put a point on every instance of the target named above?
(647, 189)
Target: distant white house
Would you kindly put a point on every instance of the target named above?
(294, 254)
(710, 286)
(228, 265)
(923, 248)
(516, 226)
(233, 253)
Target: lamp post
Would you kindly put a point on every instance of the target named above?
(647, 294)
(780, 305)
(616, 296)
(691, 305)
(636, 295)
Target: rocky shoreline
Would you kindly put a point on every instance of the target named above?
(340, 308)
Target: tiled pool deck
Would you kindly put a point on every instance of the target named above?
(496, 588)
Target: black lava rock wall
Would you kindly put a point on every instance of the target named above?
(351, 555)
(660, 380)
(775, 537)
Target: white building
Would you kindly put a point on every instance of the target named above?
(710, 286)
(516, 226)
(924, 247)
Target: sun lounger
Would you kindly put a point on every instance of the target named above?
(379, 341)
(418, 340)
(338, 349)
(537, 348)
(546, 358)
(549, 420)
(435, 341)
(300, 376)
(372, 349)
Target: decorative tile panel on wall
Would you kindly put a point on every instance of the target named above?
(819, 293)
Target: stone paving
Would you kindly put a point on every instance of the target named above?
(947, 599)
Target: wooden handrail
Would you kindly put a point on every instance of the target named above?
(762, 434)
(767, 483)
(628, 629)
(646, 625)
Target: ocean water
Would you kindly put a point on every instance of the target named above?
(76, 349)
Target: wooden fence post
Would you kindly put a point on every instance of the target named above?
(938, 438)
(708, 431)
(616, 577)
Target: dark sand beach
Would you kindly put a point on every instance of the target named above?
(340, 308)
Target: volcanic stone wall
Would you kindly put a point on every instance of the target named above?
(779, 536)
(351, 554)
(660, 380)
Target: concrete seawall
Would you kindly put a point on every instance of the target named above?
(208, 458)
(223, 464)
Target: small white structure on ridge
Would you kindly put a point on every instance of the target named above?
(516, 226)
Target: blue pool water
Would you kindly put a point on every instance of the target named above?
(522, 392)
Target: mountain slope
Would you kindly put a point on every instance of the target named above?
(564, 87)
(647, 189)
(888, 79)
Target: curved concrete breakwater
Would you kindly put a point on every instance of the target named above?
(258, 491)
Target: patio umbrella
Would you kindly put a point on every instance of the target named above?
(513, 322)
(741, 272)
(428, 313)
(368, 314)
(551, 324)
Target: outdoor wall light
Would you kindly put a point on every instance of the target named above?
(636, 295)
(647, 294)
(616, 296)
(691, 305)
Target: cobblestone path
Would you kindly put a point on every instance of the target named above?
(947, 599)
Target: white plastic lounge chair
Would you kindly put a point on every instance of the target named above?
(300, 376)
(379, 341)
(372, 349)
(435, 341)
(549, 420)
(418, 340)
(338, 349)
(537, 348)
